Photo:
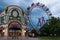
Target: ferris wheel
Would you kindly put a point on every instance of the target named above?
(41, 19)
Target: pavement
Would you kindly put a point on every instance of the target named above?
(18, 38)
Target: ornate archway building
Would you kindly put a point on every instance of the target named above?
(12, 19)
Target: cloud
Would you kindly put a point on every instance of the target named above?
(12, 2)
(56, 10)
(53, 5)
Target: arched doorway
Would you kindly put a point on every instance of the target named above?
(14, 28)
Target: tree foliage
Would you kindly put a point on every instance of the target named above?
(52, 26)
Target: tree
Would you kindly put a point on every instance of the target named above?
(51, 26)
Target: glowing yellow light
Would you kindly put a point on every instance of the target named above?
(3, 30)
(24, 31)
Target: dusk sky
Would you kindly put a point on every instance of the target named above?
(53, 5)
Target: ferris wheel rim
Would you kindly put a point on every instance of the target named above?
(39, 5)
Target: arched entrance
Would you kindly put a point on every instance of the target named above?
(14, 28)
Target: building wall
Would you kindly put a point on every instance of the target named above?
(7, 19)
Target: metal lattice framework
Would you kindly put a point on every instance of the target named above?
(42, 6)
(41, 23)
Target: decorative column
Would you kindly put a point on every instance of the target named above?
(6, 30)
(23, 31)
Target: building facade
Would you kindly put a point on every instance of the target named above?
(12, 21)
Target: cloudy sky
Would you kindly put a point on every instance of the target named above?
(53, 5)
